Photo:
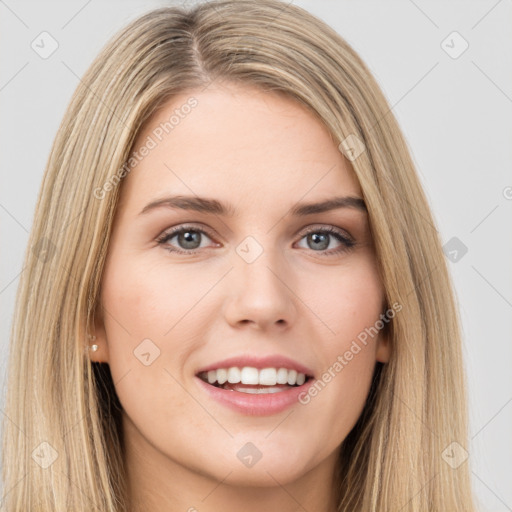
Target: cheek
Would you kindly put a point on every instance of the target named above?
(147, 345)
(146, 329)
(350, 305)
(148, 300)
(348, 301)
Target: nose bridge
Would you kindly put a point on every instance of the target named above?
(258, 265)
(258, 288)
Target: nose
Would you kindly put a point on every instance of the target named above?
(260, 294)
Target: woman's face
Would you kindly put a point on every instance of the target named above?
(254, 277)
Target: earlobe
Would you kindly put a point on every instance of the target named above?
(97, 348)
(383, 351)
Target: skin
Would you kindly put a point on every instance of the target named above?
(262, 153)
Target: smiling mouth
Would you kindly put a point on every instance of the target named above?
(254, 381)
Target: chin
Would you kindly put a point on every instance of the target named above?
(264, 475)
(274, 468)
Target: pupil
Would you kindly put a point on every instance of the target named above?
(315, 237)
(189, 238)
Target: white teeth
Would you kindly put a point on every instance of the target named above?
(292, 377)
(259, 391)
(249, 375)
(282, 376)
(222, 375)
(233, 375)
(268, 377)
(252, 376)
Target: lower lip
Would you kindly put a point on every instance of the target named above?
(256, 404)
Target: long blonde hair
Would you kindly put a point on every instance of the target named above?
(62, 442)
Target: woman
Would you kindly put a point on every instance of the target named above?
(236, 295)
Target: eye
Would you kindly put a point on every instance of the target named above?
(188, 238)
(319, 240)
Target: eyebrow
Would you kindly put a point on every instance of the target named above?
(206, 205)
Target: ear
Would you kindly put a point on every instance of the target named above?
(100, 355)
(383, 349)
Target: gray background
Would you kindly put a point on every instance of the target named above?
(456, 114)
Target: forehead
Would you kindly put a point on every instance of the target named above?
(238, 143)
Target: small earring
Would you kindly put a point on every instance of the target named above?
(94, 347)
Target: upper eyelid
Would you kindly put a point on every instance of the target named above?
(181, 227)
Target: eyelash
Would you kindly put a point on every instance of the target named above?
(347, 243)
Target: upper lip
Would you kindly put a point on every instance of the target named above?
(271, 361)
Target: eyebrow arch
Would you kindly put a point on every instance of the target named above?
(205, 205)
